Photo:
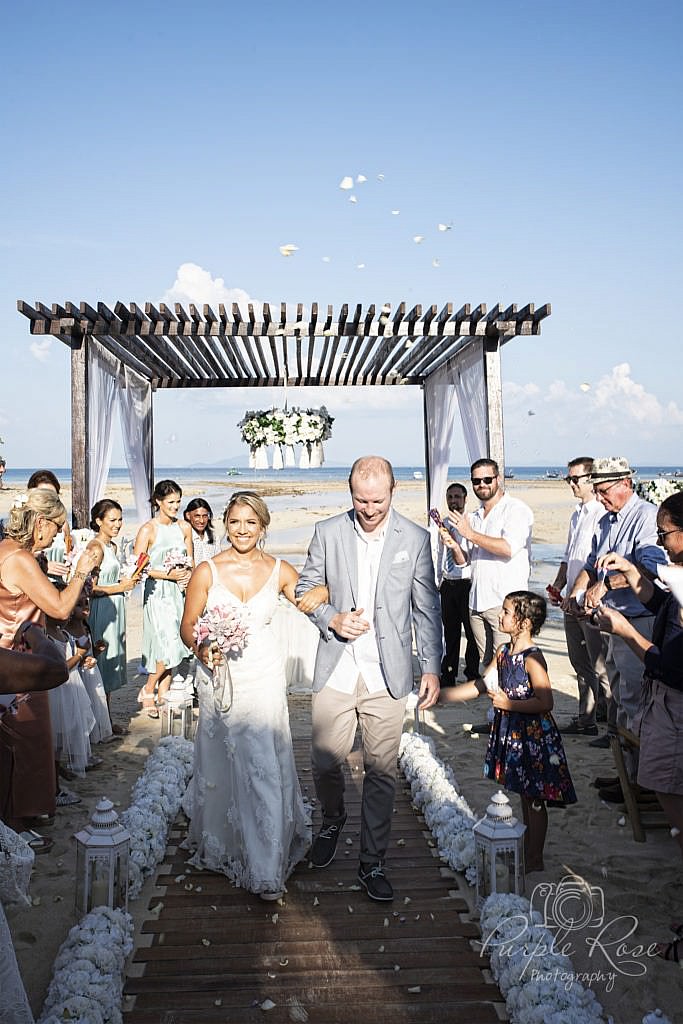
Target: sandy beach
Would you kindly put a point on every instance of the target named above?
(640, 882)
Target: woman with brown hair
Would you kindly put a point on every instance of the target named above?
(27, 772)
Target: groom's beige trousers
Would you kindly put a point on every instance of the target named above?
(335, 716)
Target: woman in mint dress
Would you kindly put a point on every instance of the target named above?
(108, 605)
(164, 597)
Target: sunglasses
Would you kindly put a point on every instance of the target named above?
(475, 480)
(604, 491)
(661, 534)
(575, 479)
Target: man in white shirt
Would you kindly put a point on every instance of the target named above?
(585, 644)
(499, 538)
(454, 577)
(379, 570)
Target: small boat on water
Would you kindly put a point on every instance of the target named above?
(509, 475)
(417, 475)
(232, 472)
(552, 474)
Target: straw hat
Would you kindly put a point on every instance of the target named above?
(613, 467)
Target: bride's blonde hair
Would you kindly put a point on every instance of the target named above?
(254, 502)
(21, 522)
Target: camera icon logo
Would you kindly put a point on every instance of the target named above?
(570, 904)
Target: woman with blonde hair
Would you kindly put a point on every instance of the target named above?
(247, 813)
(27, 772)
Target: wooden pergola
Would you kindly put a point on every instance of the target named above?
(173, 348)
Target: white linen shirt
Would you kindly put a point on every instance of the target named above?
(494, 577)
(582, 526)
(361, 656)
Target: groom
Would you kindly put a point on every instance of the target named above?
(378, 567)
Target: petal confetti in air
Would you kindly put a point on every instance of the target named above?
(444, 227)
(380, 177)
(585, 386)
(287, 250)
(353, 199)
(360, 178)
(436, 262)
(418, 239)
(326, 259)
(346, 182)
(360, 266)
(395, 213)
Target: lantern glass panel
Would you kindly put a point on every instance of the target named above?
(483, 871)
(99, 882)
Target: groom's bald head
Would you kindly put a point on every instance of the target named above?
(371, 466)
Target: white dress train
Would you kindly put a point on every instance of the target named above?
(248, 817)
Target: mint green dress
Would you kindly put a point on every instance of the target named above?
(108, 622)
(164, 603)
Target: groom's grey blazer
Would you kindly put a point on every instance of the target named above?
(406, 595)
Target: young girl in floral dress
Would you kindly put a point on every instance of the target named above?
(525, 753)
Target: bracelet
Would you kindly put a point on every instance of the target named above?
(80, 575)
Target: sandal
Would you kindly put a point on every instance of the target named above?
(669, 951)
(148, 703)
(38, 843)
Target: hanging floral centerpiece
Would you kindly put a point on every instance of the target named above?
(281, 429)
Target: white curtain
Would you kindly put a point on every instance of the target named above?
(440, 405)
(102, 388)
(470, 385)
(135, 413)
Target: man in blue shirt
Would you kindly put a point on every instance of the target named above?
(629, 529)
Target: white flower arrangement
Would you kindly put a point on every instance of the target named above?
(87, 982)
(155, 803)
(285, 426)
(434, 791)
(659, 489)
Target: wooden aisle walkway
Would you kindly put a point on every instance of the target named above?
(327, 954)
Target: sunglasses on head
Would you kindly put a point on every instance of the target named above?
(575, 479)
(481, 480)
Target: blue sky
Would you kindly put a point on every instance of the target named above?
(158, 151)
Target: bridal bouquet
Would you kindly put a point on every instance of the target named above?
(225, 626)
(177, 558)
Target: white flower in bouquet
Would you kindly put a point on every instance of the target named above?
(657, 490)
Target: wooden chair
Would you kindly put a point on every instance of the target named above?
(640, 816)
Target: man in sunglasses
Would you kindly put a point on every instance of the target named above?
(499, 537)
(584, 643)
(629, 529)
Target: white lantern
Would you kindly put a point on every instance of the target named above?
(102, 850)
(499, 850)
(176, 714)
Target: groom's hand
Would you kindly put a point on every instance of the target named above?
(349, 625)
(429, 691)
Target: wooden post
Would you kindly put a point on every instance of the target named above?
(495, 448)
(425, 430)
(80, 400)
(149, 439)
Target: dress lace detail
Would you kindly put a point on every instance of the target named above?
(14, 1006)
(248, 817)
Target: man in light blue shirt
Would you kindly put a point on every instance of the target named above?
(629, 529)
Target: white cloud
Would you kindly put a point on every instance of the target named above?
(194, 284)
(40, 350)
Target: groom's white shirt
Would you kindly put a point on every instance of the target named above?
(361, 657)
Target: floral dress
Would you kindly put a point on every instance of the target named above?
(525, 752)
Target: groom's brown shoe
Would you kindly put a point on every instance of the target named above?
(325, 843)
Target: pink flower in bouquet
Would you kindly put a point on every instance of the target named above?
(224, 626)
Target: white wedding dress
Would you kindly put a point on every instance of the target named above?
(247, 814)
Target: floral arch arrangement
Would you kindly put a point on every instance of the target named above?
(281, 430)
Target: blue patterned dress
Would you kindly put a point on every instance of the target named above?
(525, 753)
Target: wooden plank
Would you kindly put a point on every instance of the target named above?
(495, 445)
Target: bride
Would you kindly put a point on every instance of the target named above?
(248, 818)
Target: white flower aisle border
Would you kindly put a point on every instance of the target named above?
(519, 946)
(448, 815)
(87, 982)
